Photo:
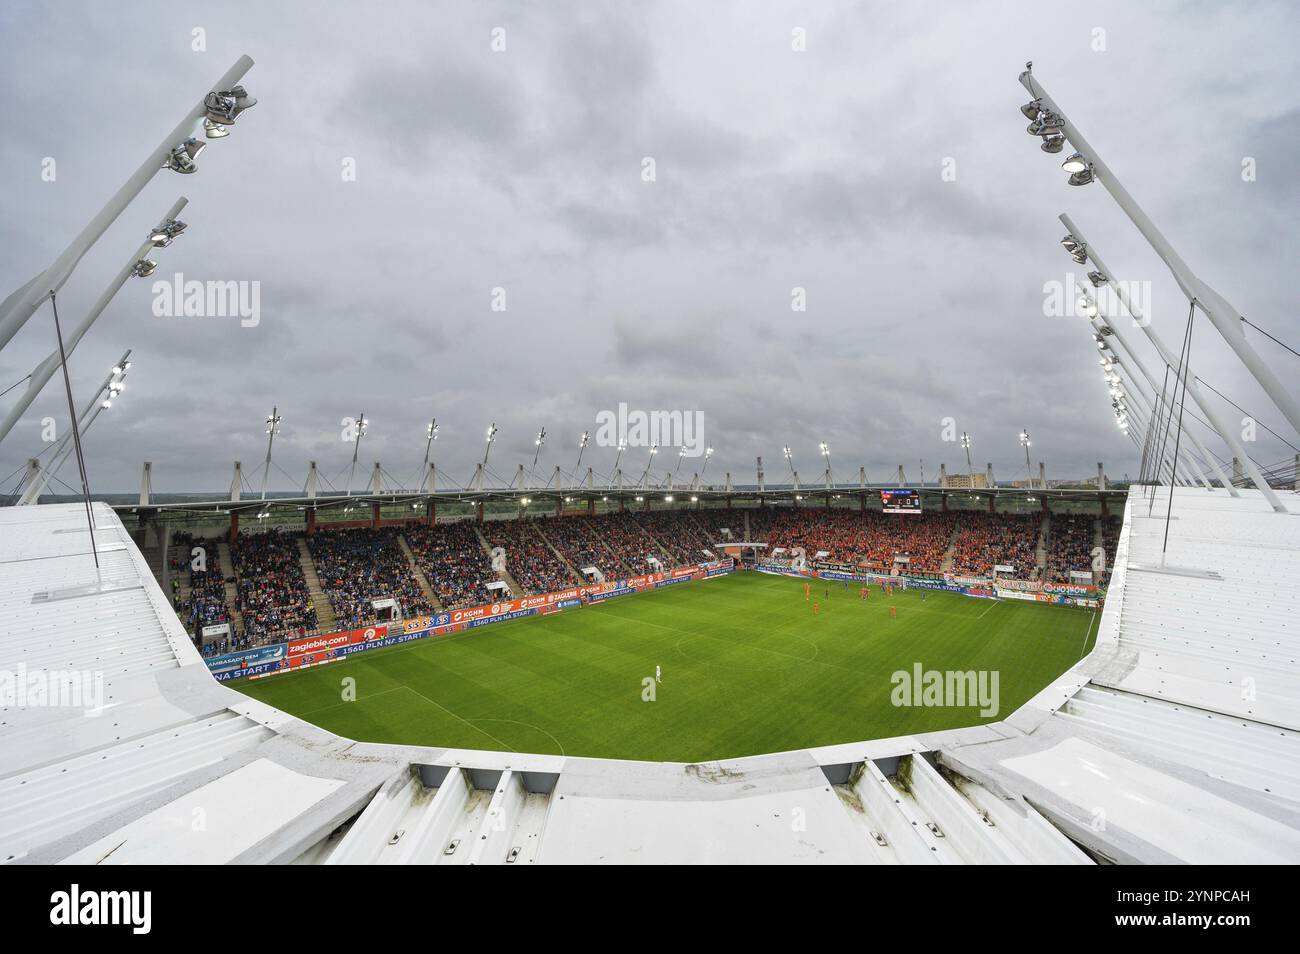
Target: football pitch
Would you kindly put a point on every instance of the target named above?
(747, 667)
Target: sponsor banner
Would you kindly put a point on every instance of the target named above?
(216, 629)
(261, 669)
(779, 570)
(501, 617)
(1069, 589)
(1003, 568)
(853, 576)
(674, 582)
(1008, 593)
(315, 644)
(1027, 586)
(418, 625)
(824, 567)
(609, 594)
(246, 658)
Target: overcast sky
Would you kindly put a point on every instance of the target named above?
(522, 169)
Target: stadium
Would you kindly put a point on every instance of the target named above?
(603, 650)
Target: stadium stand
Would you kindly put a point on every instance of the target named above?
(206, 603)
(360, 564)
(272, 592)
(985, 540)
(579, 540)
(529, 559)
(453, 561)
(357, 567)
(1070, 546)
(1110, 528)
(677, 532)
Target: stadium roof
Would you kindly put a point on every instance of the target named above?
(1174, 740)
(543, 497)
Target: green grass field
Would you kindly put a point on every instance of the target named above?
(747, 668)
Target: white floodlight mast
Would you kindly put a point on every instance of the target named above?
(111, 384)
(1225, 318)
(272, 428)
(42, 373)
(1138, 396)
(1192, 388)
(1122, 354)
(22, 304)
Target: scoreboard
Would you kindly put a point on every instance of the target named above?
(901, 501)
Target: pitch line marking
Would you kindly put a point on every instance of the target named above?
(1083, 651)
(353, 702)
(466, 721)
(530, 726)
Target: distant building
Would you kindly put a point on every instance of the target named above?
(964, 481)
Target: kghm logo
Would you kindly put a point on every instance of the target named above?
(633, 428)
(954, 689)
(76, 907)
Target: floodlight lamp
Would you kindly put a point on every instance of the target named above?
(1075, 163)
(106, 403)
(1097, 278)
(1069, 243)
(1082, 178)
(1052, 143)
(668, 498)
(181, 159)
(116, 369)
(1046, 124)
(224, 106)
(708, 452)
(1032, 109)
(162, 235)
(694, 499)
(214, 130)
(144, 268)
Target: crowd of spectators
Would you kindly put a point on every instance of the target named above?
(1110, 528)
(580, 541)
(529, 559)
(677, 532)
(206, 603)
(985, 540)
(271, 590)
(1070, 540)
(453, 561)
(631, 545)
(359, 566)
(870, 538)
